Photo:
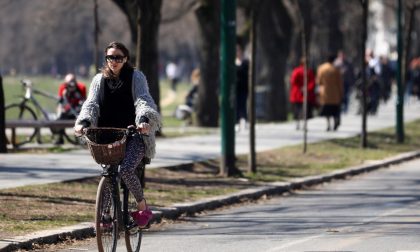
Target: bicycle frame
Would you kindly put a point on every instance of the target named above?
(111, 173)
(113, 208)
(29, 97)
(120, 211)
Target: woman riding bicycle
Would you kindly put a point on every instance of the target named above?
(119, 97)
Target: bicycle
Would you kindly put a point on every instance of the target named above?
(112, 217)
(24, 111)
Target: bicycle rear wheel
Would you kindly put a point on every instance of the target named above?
(106, 220)
(20, 112)
(133, 234)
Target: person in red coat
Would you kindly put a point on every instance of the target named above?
(296, 96)
(72, 94)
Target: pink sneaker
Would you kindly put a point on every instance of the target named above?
(142, 218)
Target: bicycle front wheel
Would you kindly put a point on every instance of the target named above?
(133, 234)
(106, 220)
(20, 112)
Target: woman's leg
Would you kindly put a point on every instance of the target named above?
(328, 123)
(134, 154)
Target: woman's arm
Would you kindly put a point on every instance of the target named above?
(90, 109)
(144, 103)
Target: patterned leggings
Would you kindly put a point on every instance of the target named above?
(134, 153)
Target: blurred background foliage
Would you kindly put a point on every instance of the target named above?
(54, 37)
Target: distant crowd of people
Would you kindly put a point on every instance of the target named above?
(330, 89)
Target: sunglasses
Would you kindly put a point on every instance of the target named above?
(116, 58)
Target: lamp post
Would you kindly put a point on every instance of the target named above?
(228, 86)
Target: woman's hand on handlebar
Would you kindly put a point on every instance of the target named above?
(144, 128)
(78, 130)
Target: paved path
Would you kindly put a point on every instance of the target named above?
(24, 169)
(361, 214)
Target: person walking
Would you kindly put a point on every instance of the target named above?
(242, 66)
(296, 93)
(185, 111)
(330, 83)
(349, 78)
(119, 97)
(173, 74)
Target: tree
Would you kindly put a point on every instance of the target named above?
(3, 147)
(208, 17)
(363, 135)
(149, 21)
(273, 46)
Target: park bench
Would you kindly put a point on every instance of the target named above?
(38, 124)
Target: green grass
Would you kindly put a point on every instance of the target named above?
(290, 162)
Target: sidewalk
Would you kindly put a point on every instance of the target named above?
(22, 169)
(25, 169)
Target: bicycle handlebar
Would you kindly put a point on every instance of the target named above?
(129, 131)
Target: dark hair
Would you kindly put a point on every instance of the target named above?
(331, 57)
(116, 45)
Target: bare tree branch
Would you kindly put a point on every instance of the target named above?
(182, 11)
(4, 4)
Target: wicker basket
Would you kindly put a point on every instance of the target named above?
(106, 145)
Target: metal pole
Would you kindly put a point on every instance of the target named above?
(363, 135)
(400, 93)
(252, 164)
(228, 85)
(3, 146)
(305, 82)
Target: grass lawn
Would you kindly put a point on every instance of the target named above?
(31, 208)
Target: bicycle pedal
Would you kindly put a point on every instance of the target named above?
(131, 225)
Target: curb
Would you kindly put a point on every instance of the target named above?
(86, 230)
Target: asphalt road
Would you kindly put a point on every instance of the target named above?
(375, 212)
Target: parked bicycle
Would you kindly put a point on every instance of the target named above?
(29, 109)
(112, 216)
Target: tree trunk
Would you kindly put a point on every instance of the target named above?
(305, 8)
(363, 134)
(410, 21)
(327, 36)
(274, 38)
(207, 108)
(150, 20)
(3, 147)
(335, 35)
(149, 61)
(95, 36)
